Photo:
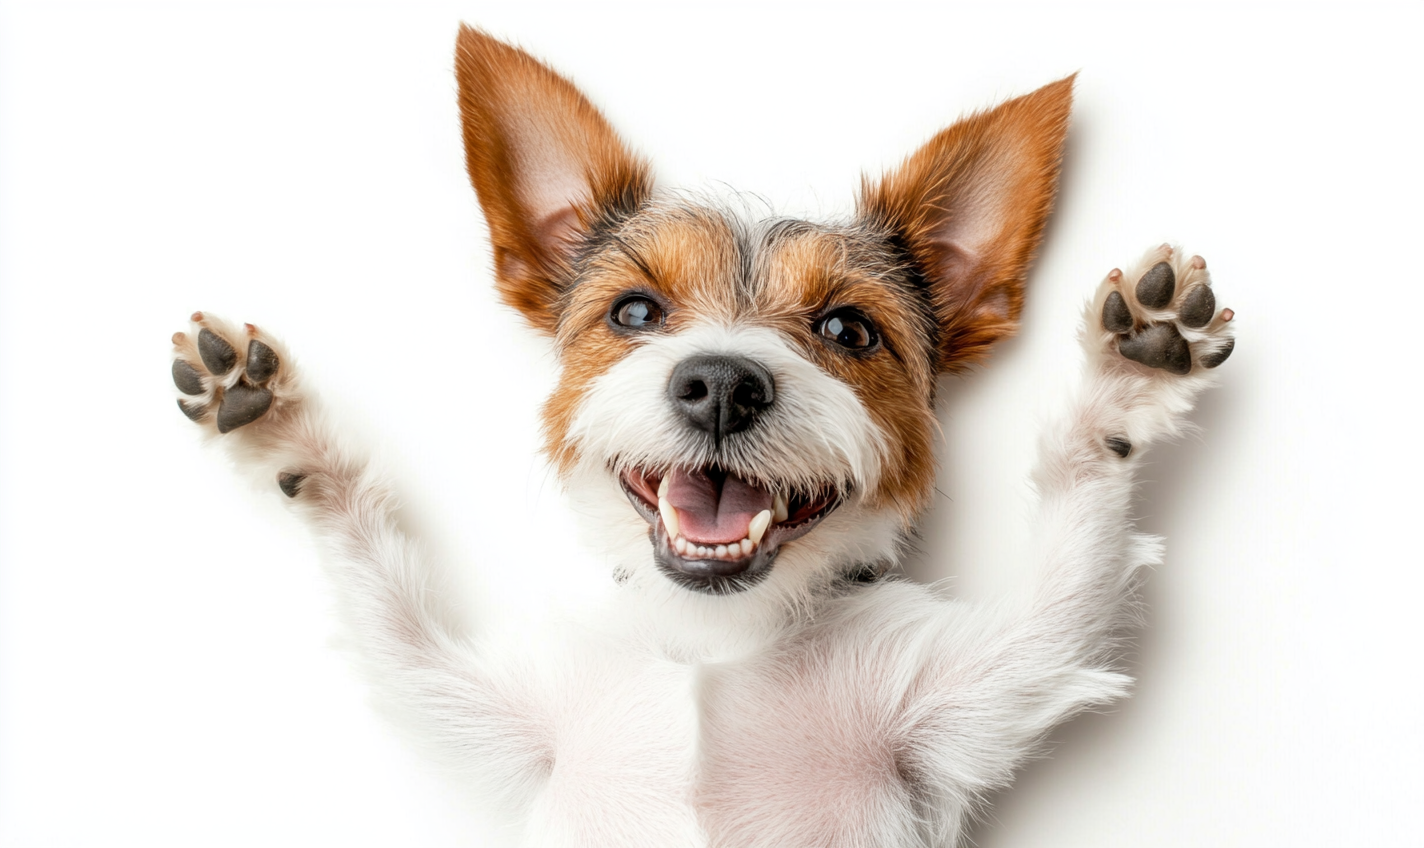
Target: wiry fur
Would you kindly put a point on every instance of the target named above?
(810, 709)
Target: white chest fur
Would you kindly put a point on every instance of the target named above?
(794, 743)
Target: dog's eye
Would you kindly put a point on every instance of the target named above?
(849, 329)
(637, 313)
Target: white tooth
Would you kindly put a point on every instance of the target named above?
(681, 545)
(664, 485)
(759, 525)
(779, 507)
(704, 552)
(721, 552)
(746, 545)
(669, 517)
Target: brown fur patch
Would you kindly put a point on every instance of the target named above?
(806, 272)
(548, 169)
(970, 206)
(687, 258)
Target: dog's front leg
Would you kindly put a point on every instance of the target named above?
(241, 387)
(999, 679)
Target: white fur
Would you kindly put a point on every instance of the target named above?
(818, 430)
(800, 712)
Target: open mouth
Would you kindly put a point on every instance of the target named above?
(716, 532)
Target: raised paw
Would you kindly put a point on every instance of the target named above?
(228, 377)
(1162, 314)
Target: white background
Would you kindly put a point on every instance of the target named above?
(165, 672)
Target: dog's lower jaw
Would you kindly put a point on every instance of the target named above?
(710, 576)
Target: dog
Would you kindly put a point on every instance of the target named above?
(744, 416)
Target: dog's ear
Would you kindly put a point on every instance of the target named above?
(970, 207)
(546, 165)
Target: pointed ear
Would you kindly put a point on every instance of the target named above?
(546, 165)
(970, 207)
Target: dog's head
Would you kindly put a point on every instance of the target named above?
(752, 398)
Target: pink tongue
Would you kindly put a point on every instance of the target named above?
(712, 510)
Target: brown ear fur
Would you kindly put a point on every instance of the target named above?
(970, 206)
(546, 165)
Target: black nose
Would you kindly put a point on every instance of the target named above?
(720, 394)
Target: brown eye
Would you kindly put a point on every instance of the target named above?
(637, 313)
(849, 329)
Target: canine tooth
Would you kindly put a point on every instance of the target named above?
(759, 525)
(746, 545)
(669, 513)
(664, 486)
(779, 506)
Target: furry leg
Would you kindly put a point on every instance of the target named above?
(473, 713)
(998, 679)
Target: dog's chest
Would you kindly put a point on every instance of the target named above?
(798, 749)
(789, 749)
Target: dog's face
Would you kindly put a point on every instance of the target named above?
(749, 403)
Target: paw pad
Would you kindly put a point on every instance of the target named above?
(1198, 307)
(1211, 360)
(1116, 316)
(262, 362)
(1157, 346)
(1168, 319)
(242, 404)
(218, 356)
(208, 372)
(290, 483)
(1157, 286)
(187, 378)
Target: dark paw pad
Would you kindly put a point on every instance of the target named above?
(217, 354)
(1117, 318)
(187, 378)
(262, 362)
(1119, 445)
(1158, 346)
(242, 404)
(1198, 307)
(862, 573)
(290, 483)
(1157, 286)
(1211, 360)
(194, 413)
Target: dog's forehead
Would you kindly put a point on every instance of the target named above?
(715, 260)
